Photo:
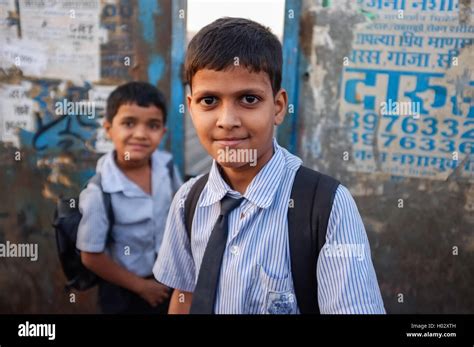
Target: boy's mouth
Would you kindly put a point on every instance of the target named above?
(230, 141)
(138, 146)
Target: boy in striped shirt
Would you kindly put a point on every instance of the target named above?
(233, 67)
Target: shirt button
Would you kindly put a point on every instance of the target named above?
(234, 250)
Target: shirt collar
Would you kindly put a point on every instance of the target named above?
(114, 180)
(261, 190)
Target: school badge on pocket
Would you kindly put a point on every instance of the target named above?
(281, 302)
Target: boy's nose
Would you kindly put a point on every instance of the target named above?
(228, 119)
(140, 131)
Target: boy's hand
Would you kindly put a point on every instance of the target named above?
(153, 292)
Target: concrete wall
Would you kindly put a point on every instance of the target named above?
(74, 51)
(411, 170)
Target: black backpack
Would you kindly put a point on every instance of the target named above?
(66, 223)
(312, 198)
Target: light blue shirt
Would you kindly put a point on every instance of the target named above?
(139, 217)
(256, 270)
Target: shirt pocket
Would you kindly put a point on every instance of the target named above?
(133, 222)
(132, 211)
(270, 294)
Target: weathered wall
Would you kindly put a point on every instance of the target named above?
(76, 51)
(411, 170)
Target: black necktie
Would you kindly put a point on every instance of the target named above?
(204, 294)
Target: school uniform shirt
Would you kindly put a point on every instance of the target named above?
(255, 275)
(140, 218)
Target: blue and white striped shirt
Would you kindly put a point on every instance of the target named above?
(256, 271)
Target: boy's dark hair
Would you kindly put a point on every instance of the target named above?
(216, 46)
(141, 93)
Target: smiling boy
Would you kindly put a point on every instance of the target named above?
(237, 258)
(141, 181)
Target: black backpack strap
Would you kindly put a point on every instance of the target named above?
(191, 202)
(97, 180)
(170, 167)
(308, 215)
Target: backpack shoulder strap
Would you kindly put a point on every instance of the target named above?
(97, 180)
(191, 202)
(171, 175)
(308, 215)
(170, 167)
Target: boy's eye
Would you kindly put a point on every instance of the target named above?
(155, 126)
(128, 123)
(250, 99)
(208, 101)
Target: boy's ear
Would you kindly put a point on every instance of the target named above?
(107, 126)
(281, 104)
(189, 99)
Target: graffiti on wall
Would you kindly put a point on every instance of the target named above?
(56, 129)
